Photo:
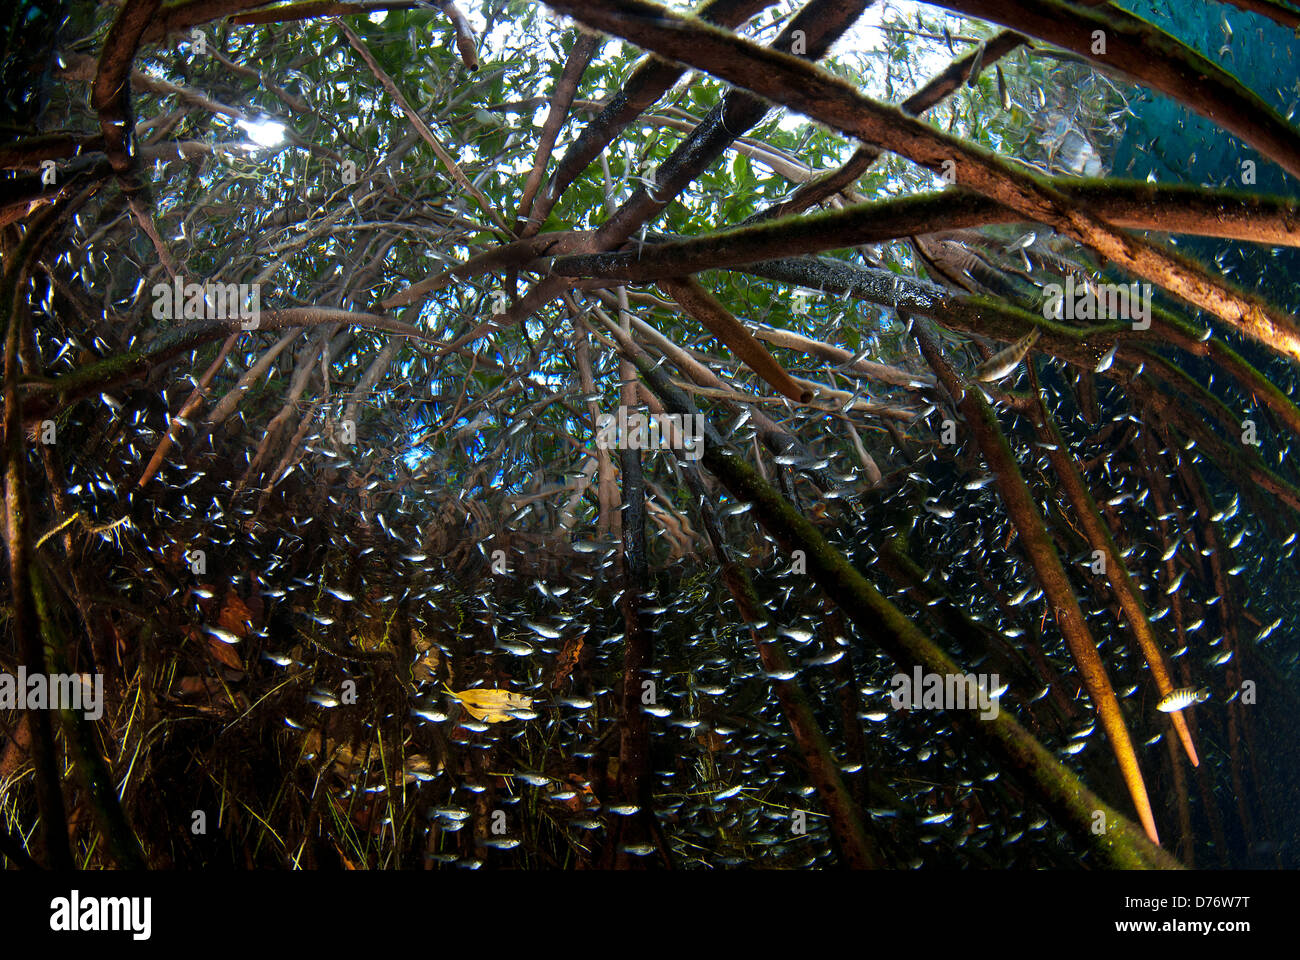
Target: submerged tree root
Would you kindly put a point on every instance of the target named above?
(1121, 846)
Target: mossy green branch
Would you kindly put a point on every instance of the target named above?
(120, 838)
(1122, 845)
(856, 846)
(1153, 57)
(794, 83)
(17, 530)
(1115, 571)
(1022, 507)
(1133, 205)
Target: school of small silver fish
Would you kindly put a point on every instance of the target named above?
(412, 631)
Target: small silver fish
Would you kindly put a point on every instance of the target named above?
(1004, 361)
(225, 636)
(1182, 697)
(1263, 634)
(976, 64)
(933, 505)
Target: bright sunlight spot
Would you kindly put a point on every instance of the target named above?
(264, 133)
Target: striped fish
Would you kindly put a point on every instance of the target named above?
(1004, 361)
(1182, 697)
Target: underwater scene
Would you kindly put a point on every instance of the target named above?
(494, 435)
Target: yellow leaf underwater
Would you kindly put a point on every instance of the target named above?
(491, 706)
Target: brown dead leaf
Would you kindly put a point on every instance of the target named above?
(711, 741)
(584, 798)
(193, 686)
(225, 653)
(491, 706)
(567, 660)
(235, 617)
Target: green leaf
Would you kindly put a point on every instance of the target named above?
(744, 168)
